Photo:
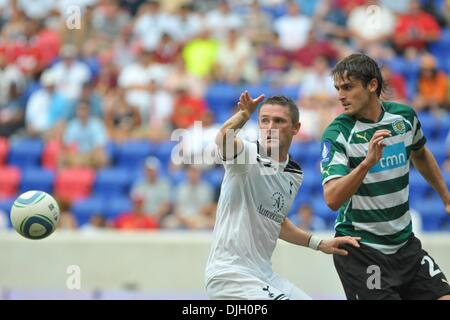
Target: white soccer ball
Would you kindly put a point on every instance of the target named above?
(35, 214)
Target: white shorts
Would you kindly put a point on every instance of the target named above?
(237, 286)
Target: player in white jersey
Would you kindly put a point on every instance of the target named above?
(260, 183)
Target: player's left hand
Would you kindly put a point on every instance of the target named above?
(331, 246)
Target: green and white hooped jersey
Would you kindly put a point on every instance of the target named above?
(379, 211)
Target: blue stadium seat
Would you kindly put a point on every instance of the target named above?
(132, 154)
(25, 153)
(214, 177)
(37, 179)
(321, 209)
(397, 64)
(313, 153)
(312, 182)
(441, 47)
(220, 96)
(177, 177)
(84, 209)
(444, 127)
(298, 152)
(111, 151)
(5, 206)
(438, 149)
(430, 125)
(290, 91)
(112, 182)
(432, 212)
(418, 187)
(163, 152)
(301, 198)
(116, 206)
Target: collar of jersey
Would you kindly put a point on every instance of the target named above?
(273, 162)
(370, 121)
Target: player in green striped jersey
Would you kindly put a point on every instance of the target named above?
(366, 154)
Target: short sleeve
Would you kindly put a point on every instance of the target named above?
(334, 159)
(241, 162)
(419, 138)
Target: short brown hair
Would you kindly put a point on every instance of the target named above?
(284, 102)
(360, 67)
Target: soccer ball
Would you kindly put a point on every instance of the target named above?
(35, 214)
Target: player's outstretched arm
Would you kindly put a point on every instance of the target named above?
(337, 191)
(332, 246)
(426, 164)
(292, 234)
(226, 139)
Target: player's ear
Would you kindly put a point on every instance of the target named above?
(373, 85)
(296, 128)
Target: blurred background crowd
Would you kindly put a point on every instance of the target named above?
(91, 92)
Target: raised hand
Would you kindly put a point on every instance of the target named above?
(248, 104)
(376, 146)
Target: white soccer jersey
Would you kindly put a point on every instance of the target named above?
(255, 198)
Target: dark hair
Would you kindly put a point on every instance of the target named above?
(360, 67)
(284, 102)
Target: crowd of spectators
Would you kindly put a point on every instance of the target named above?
(83, 74)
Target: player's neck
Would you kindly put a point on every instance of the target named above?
(372, 111)
(280, 157)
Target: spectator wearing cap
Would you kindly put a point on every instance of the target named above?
(70, 74)
(154, 190)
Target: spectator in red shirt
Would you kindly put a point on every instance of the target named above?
(415, 29)
(136, 219)
(313, 48)
(187, 109)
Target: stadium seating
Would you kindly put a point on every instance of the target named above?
(163, 151)
(438, 150)
(432, 212)
(221, 97)
(85, 208)
(50, 154)
(133, 153)
(418, 187)
(112, 182)
(74, 184)
(5, 206)
(214, 177)
(116, 206)
(321, 209)
(9, 181)
(26, 153)
(37, 179)
(430, 125)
